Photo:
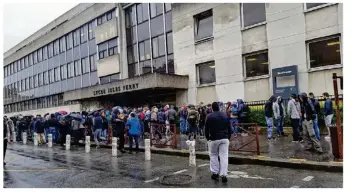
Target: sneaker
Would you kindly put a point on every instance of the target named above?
(215, 177)
(224, 179)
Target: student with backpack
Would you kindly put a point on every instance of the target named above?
(193, 119)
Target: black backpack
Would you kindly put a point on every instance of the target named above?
(246, 109)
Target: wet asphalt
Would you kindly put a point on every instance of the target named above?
(42, 167)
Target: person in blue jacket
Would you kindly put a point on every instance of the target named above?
(328, 112)
(134, 131)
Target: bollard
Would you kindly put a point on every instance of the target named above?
(114, 147)
(68, 142)
(192, 153)
(87, 144)
(35, 139)
(147, 149)
(14, 137)
(24, 138)
(50, 140)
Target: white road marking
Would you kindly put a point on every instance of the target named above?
(155, 179)
(180, 171)
(203, 165)
(239, 174)
(294, 187)
(308, 178)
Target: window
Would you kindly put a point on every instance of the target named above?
(30, 59)
(143, 31)
(19, 86)
(252, 14)
(69, 42)
(15, 67)
(156, 9)
(167, 7)
(169, 43)
(324, 52)
(206, 73)
(11, 69)
(313, 5)
(204, 25)
(55, 100)
(45, 53)
(101, 19)
(147, 49)
(62, 44)
(84, 33)
(112, 44)
(142, 12)
(56, 47)
(109, 15)
(61, 99)
(23, 64)
(51, 76)
(71, 70)
(114, 77)
(76, 38)
(158, 44)
(40, 56)
(85, 65)
(141, 51)
(30, 82)
(93, 65)
(46, 77)
(19, 66)
(63, 72)
(78, 69)
(35, 79)
(91, 30)
(104, 80)
(35, 58)
(102, 48)
(50, 50)
(57, 74)
(256, 64)
(27, 84)
(131, 16)
(40, 79)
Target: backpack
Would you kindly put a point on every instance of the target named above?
(161, 117)
(153, 116)
(141, 116)
(192, 118)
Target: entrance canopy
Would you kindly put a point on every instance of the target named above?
(147, 81)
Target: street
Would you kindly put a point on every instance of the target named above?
(42, 167)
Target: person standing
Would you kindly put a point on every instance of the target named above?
(5, 138)
(97, 128)
(328, 112)
(308, 115)
(202, 117)
(134, 131)
(193, 120)
(183, 119)
(39, 125)
(146, 120)
(218, 133)
(118, 128)
(233, 118)
(294, 112)
(280, 114)
(317, 110)
(10, 128)
(243, 115)
(51, 126)
(268, 109)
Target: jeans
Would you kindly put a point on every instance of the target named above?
(142, 126)
(233, 127)
(269, 122)
(53, 132)
(183, 125)
(279, 125)
(295, 129)
(136, 140)
(103, 133)
(316, 128)
(219, 149)
(309, 135)
(97, 133)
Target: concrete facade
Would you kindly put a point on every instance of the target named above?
(284, 35)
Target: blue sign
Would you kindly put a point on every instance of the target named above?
(285, 81)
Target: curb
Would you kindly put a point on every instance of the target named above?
(255, 160)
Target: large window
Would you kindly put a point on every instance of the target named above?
(206, 73)
(156, 9)
(76, 38)
(142, 12)
(69, 41)
(203, 25)
(56, 47)
(84, 33)
(27, 84)
(35, 79)
(167, 7)
(314, 5)
(50, 50)
(57, 74)
(112, 46)
(30, 59)
(62, 44)
(45, 53)
(46, 77)
(71, 70)
(40, 79)
(51, 76)
(110, 15)
(102, 48)
(93, 65)
(324, 52)
(78, 69)
(131, 16)
(35, 59)
(158, 44)
(170, 44)
(91, 30)
(63, 72)
(252, 14)
(30, 82)
(256, 64)
(85, 65)
(40, 56)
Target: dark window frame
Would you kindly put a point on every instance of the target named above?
(57, 74)
(78, 67)
(255, 56)
(93, 66)
(63, 73)
(198, 67)
(69, 41)
(84, 30)
(85, 65)
(197, 22)
(91, 30)
(243, 24)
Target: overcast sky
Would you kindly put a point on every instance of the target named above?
(23, 19)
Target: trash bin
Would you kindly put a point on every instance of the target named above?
(333, 140)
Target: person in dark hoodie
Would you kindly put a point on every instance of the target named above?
(309, 115)
(97, 128)
(39, 125)
(218, 134)
(243, 115)
(52, 125)
(268, 109)
(5, 138)
(317, 110)
(118, 128)
(328, 112)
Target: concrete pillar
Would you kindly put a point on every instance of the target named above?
(114, 147)
(24, 138)
(68, 142)
(147, 149)
(87, 144)
(50, 140)
(192, 153)
(35, 139)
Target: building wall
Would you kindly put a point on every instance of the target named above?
(287, 29)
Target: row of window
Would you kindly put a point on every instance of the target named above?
(321, 52)
(76, 68)
(108, 48)
(106, 17)
(38, 103)
(110, 78)
(155, 10)
(60, 45)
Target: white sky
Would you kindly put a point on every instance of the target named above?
(23, 19)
